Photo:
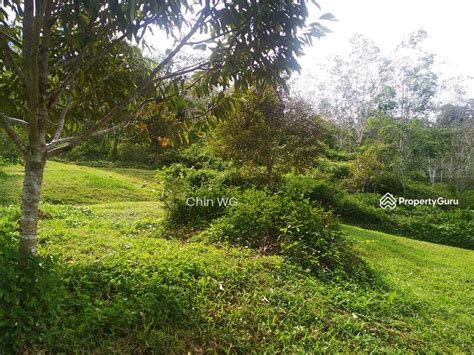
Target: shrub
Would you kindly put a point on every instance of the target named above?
(133, 152)
(387, 182)
(306, 187)
(453, 228)
(335, 169)
(276, 224)
(194, 196)
(196, 155)
(356, 212)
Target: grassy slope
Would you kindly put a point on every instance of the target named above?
(441, 276)
(73, 184)
(129, 290)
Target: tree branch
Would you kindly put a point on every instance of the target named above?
(78, 60)
(71, 142)
(62, 120)
(9, 59)
(146, 84)
(5, 124)
(15, 121)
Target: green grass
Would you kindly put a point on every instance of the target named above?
(441, 276)
(125, 285)
(73, 184)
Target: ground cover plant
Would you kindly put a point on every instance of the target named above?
(114, 280)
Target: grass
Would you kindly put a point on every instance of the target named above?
(124, 285)
(440, 276)
(73, 184)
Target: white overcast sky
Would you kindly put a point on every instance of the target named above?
(449, 24)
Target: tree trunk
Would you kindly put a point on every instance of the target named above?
(270, 176)
(34, 169)
(433, 176)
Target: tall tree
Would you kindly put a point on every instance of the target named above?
(348, 92)
(50, 46)
(408, 81)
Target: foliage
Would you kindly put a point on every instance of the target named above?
(29, 294)
(430, 223)
(265, 133)
(8, 153)
(335, 169)
(117, 285)
(197, 155)
(450, 228)
(278, 224)
(366, 169)
(316, 190)
(197, 196)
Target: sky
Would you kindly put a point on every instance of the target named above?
(449, 24)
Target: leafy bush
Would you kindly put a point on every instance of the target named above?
(453, 228)
(335, 169)
(195, 196)
(425, 223)
(356, 212)
(276, 224)
(388, 182)
(196, 155)
(319, 191)
(430, 224)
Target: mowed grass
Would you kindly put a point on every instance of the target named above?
(441, 276)
(126, 285)
(73, 184)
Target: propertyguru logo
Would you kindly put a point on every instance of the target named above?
(388, 201)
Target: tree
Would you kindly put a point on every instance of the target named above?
(366, 168)
(408, 82)
(265, 132)
(49, 47)
(458, 121)
(348, 92)
(389, 132)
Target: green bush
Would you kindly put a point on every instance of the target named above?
(317, 191)
(293, 228)
(335, 169)
(453, 228)
(195, 196)
(196, 155)
(356, 212)
(387, 182)
(430, 224)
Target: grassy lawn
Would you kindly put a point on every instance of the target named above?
(441, 276)
(74, 184)
(125, 286)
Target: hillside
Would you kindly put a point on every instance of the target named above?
(121, 283)
(74, 184)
